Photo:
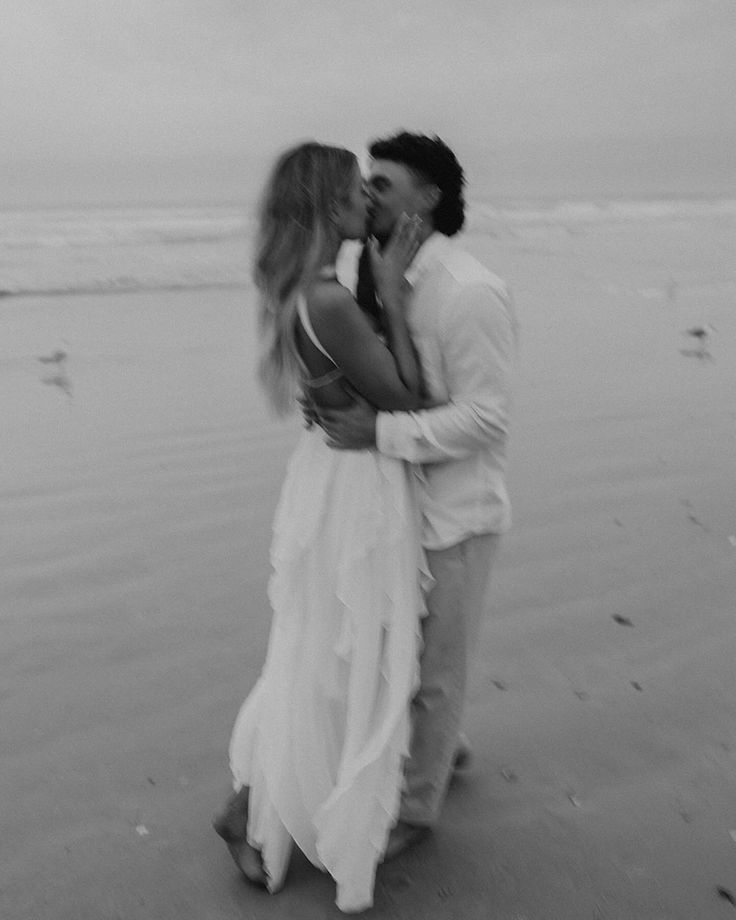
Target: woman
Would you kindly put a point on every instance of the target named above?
(317, 748)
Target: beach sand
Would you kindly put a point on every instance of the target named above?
(140, 475)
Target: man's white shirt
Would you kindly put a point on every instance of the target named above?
(461, 318)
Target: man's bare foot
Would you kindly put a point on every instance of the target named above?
(232, 824)
(402, 837)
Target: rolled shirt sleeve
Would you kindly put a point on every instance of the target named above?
(478, 341)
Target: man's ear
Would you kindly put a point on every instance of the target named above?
(431, 195)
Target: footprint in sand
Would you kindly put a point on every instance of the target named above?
(701, 334)
(57, 375)
(57, 357)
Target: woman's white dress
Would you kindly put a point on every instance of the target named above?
(321, 738)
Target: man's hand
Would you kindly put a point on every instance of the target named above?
(353, 428)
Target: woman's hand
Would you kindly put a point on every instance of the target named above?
(390, 264)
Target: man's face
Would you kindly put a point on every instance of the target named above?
(392, 190)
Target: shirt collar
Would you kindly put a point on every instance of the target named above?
(431, 249)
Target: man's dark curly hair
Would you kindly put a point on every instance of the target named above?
(432, 161)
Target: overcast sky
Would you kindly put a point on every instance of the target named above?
(147, 99)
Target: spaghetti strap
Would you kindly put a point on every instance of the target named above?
(301, 307)
(314, 383)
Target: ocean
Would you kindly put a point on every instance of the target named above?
(44, 252)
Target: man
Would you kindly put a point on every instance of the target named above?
(462, 323)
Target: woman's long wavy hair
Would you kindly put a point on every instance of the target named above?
(294, 233)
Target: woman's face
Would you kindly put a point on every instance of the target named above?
(351, 215)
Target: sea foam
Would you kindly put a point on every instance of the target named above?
(109, 250)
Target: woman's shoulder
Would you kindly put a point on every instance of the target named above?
(328, 301)
(327, 296)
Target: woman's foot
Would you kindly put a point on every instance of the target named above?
(402, 837)
(232, 825)
(249, 861)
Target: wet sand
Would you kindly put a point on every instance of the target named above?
(140, 474)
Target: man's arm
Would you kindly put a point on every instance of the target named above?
(478, 344)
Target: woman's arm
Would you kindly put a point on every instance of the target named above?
(389, 378)
(388, 267)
